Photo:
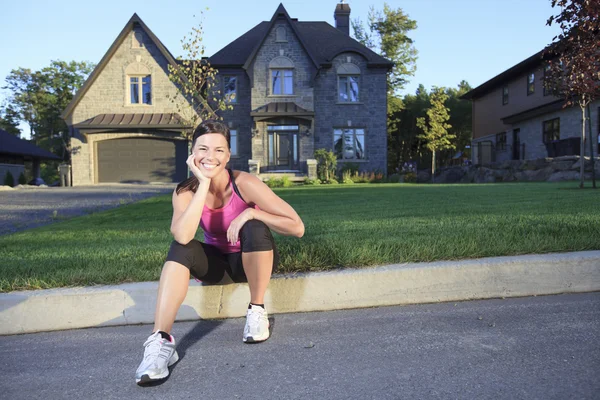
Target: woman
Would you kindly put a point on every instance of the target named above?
(236, 211)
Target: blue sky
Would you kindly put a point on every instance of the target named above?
(456, 39)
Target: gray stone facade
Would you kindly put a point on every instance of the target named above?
(109, 94)
(319, 95)
(531, 135)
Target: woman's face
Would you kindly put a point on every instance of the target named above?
(211, 154)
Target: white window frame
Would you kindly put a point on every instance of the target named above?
(140, 90)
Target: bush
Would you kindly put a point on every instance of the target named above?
(359, 177)
(332, 181)
(410, 177)
(351, 167)
(347, 177)
(274, 182)
(326, 164)
(393, 178)
(308, 181)
(286, 182)
(22, 179)
(9, 180)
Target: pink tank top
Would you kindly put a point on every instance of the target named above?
(215, 222)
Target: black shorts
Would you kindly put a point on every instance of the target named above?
(208, 264)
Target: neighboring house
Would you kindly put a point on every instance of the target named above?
(294, 87)
(14, 152)
(516, 118)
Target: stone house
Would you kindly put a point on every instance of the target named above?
(516, 118)
(293, 86)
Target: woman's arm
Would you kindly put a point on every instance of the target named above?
(274, 212)
(187, 211)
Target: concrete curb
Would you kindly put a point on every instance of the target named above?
(56, 309)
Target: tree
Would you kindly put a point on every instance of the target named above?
(435, 126)
(9, 121)
(198, 97)
(574, 60)
(460, 118)
(387, 35)
(39, 97)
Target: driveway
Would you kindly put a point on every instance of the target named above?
(29, 207)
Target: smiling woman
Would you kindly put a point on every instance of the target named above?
(237, 212)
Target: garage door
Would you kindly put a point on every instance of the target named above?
(141, 160)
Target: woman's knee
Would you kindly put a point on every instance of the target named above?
(256, 236)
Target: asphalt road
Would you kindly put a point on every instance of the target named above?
(30, 207)
(527, 348)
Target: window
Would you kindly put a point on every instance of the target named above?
(282, 81)
(551, 130)
(140, 89)
(505, 95)
(233, 141)
(547, 87)
(501, 141)
(348, 83)
(349, 144)
(530, 84)
(230, 89)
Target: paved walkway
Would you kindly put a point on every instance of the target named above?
(542, 347)
(30, 207)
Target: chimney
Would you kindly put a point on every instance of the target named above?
(342, 17)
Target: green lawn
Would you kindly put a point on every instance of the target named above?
(346, 226)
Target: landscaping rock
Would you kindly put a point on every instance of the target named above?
(564, 176)
(450, 175)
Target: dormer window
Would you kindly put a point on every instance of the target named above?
(348, 83)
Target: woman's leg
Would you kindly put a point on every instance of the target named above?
(258, 266)
(172, 289)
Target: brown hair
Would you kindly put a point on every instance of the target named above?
(209, 126)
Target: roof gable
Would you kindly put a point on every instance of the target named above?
(321, 41)
(281, 11)
(134, 20)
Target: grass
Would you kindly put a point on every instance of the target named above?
(346, 226)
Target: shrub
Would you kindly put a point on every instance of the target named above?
(286, 182)
(393, 178)
(332, 181)
(9, 180)
(22, 179)
(376, 177)
(274, 182)
(308, 181)
(351, 167)
(410, 177)
(359, 177)
(326, 164)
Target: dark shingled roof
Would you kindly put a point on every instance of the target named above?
(10, 144)
(322, 42)
(139, 120)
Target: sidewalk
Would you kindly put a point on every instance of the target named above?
(56, 309)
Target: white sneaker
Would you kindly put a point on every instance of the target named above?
(159, 355)
(257, 325)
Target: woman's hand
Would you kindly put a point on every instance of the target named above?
(233, 232)
(191, 162)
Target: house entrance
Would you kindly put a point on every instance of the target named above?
(283, 147)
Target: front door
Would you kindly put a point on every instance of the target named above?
(516, 144)
(283, 147)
